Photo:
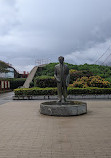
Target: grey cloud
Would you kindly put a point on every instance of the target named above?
(91, 55)
(49, 28)
(8, 16)
(9, 2)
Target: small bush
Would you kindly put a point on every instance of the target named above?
(45, 81)
(31, 84)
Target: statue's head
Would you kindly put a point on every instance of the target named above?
(61, 59)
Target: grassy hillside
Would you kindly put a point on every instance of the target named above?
(102, 71)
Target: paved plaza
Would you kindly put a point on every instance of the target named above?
(25, 133)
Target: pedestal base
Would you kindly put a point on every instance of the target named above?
(70, 108)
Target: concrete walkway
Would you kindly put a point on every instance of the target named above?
(25, 133)
(6, 97)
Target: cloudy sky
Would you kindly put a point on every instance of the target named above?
(79, 30)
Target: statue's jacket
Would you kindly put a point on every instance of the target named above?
(62, 74)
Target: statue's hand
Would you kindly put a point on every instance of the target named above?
(67, 83)
(58, 80)
(67, 80)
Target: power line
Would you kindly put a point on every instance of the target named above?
(42, 61)
(106, 58)
(103, 54)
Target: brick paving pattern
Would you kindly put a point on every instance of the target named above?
(25, 133)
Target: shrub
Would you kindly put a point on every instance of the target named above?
(93, 81)
(16, 82)
(78, 84)
(53, 91)
(74, 74)
(31, 84)
(35, 91)
(45, 81)
(97, 81)
(89, 90)
(108, 79)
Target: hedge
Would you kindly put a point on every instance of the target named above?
(14, 82)
(18, 82)
(35, 91)
(45, 81)
(53, 91)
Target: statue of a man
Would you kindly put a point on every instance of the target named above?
(62, 77)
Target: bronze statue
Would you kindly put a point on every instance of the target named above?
(62, 77)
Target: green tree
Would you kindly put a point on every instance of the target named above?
(3, 67)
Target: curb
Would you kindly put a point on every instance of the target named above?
(49, 97)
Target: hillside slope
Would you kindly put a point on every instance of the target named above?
(100, 70)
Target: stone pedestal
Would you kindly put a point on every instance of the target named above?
(70, 108)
